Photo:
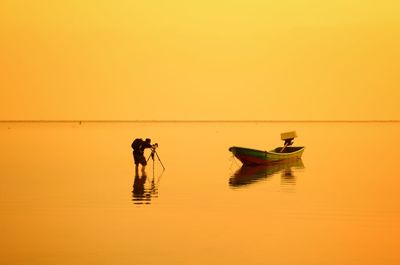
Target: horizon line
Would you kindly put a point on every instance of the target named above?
(191, 121)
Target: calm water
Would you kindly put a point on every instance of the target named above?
(69, 195)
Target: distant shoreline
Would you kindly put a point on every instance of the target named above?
(199, 121)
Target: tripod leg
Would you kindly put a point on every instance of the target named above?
(159, 160)
(151, 155)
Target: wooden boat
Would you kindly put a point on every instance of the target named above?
(250, 156)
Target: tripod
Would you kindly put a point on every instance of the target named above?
(154, 152)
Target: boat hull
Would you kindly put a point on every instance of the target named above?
(250, 156)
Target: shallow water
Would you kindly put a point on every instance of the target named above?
(69, 195)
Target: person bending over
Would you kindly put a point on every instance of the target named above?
(138, 146)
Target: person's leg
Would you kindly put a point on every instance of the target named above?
(136, 160)
(136, 169)
(144, 163)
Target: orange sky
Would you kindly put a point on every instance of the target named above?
(268, 60)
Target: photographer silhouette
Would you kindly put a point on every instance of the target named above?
(138, 146)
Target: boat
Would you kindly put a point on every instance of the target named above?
(252, 157)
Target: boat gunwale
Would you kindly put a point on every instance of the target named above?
(300, 148)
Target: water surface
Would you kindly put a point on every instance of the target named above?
(69, 195)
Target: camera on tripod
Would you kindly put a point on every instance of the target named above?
(154, 146)
(154, 152)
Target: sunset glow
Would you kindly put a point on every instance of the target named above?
(203, 60)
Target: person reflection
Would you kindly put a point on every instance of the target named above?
(144, 188)
(140, 193)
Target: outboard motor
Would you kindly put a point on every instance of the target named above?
(288, 138)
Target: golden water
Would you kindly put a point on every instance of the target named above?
(68, 195)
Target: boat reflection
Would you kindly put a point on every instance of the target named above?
(251, 174)
(144, 189)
